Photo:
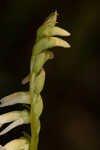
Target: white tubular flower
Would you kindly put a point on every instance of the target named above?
(17, 144)
(19, 97)
(16, 117)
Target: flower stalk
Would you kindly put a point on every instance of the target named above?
(40, 54)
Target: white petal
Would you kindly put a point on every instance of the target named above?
(19, 118)
(17, 144)
(19, 97)
(13, 125)
(9, 117)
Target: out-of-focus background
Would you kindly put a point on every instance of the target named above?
(71, 117)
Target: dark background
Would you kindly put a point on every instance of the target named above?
(71, 117)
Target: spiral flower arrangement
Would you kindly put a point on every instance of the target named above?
(46, 38)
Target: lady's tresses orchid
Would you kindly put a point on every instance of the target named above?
(40, 54)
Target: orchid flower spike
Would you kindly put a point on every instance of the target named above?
(45, 39)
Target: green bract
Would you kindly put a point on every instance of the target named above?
(40, 54)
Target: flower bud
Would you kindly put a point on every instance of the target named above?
(39, 60)
(48, 42)
(53, 31)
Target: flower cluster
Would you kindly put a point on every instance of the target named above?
(46, 38)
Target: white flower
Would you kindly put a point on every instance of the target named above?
(17, 144)
(16, 117)
(19, 97)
